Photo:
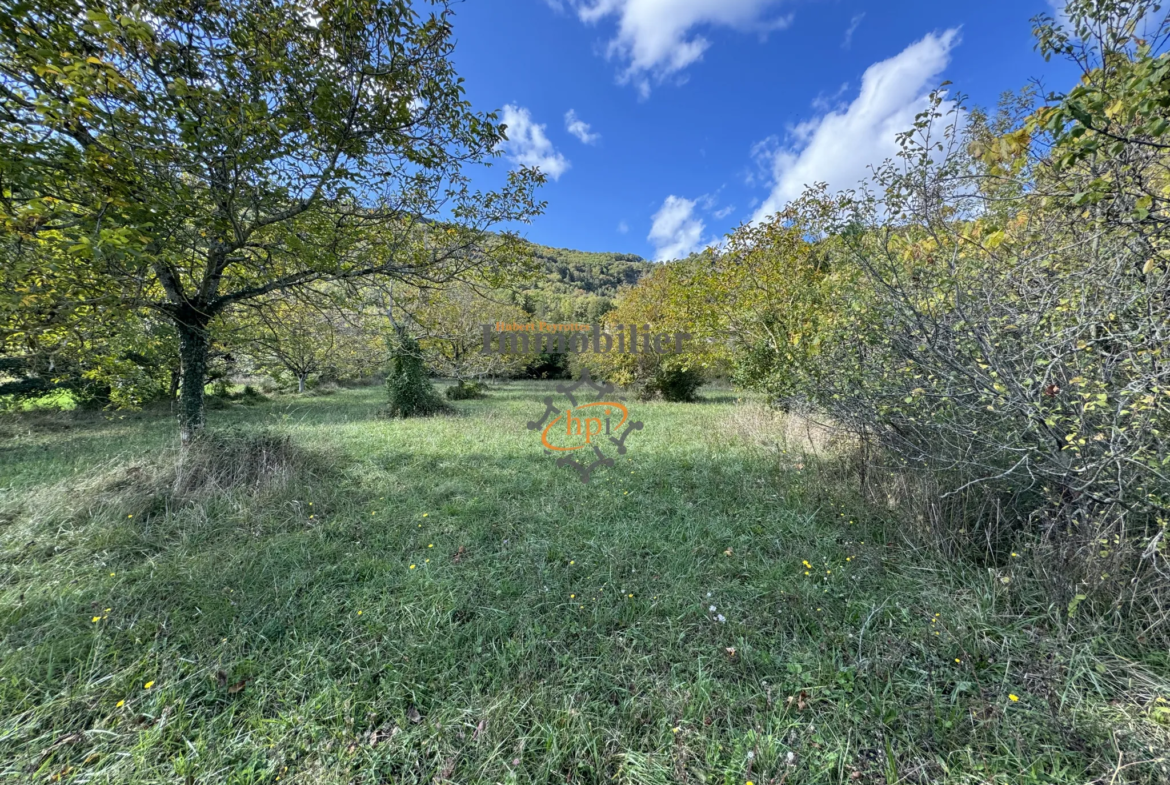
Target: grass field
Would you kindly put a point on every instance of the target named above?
(340, 598)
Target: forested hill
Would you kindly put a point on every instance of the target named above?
(578, 285)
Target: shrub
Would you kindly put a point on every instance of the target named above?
(548, 366)
(1007, 339)
(325, 388)
(411, 392)
(251, 395)
(679, 384)
(465, 391)
(267, 385)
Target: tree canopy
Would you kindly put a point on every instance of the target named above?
(184, 159)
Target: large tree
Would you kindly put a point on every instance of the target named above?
(207, 152)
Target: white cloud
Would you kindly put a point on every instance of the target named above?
(1059, 11)
(623, 227)
(762, 154)
(839, 146)
(655, 38)
(528, 146)
(824, 103)
(724, 212)
(675, 230)
(854, 23)
(579, 128)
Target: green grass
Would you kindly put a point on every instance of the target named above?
(434, 601)
(59, 400)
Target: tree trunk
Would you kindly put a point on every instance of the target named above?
(194, 345)
(300, 382)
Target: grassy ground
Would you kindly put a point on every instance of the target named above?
(434, 601)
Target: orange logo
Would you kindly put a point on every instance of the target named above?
(579, 428)
(595, 426)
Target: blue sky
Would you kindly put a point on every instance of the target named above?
(663, 124)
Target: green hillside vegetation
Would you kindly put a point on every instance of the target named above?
(578, 285)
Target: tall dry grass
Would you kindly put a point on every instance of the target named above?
(1094, 573)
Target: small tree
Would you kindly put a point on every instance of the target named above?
(656, 304)
(308, 337)
(411, 392)
(450, 330)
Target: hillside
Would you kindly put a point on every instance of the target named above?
(578, 285)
